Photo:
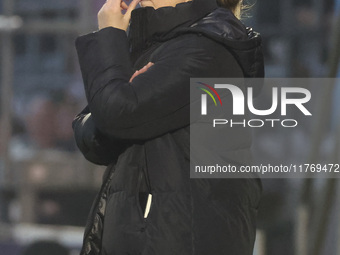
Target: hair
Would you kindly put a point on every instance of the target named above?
(234, 5)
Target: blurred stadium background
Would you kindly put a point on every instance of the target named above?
(46, 187)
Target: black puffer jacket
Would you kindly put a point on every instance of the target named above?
(141, 131)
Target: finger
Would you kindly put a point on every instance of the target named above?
(146, 67)
(114, 3)
(124, 5)
(143, 69)
(132, 6)
(133, 76)
(150, 64)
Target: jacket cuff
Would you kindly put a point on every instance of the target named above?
(103, 34)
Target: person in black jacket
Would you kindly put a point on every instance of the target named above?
(137, 123)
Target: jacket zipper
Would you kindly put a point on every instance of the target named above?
(140, 178)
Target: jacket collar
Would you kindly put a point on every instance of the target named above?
(148, 24)
(166, 19)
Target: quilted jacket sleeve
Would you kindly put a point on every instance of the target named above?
(155, 102)
(93, 145)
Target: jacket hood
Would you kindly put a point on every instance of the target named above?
(245, 44)
(148, 24)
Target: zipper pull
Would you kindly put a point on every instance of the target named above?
(148, 205)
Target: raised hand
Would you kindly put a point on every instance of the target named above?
(110, 15)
